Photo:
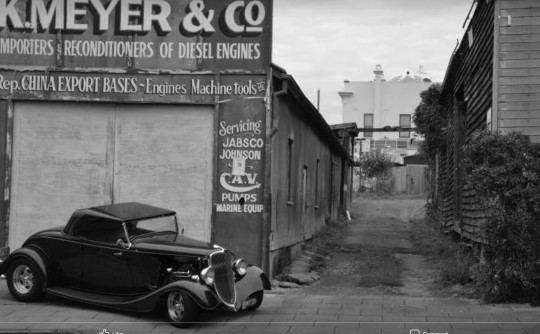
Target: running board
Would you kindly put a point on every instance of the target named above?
(133, 302)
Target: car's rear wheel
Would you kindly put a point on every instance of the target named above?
(24, 280)
(181, 309)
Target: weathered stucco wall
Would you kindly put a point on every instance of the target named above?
(306, 182)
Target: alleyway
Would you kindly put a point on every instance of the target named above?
(374, 255)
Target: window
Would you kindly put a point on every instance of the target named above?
(404, 122)
(368, 123)
(402, 144)
(99, 230)
(289, 172)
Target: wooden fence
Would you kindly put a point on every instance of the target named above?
(411, 179)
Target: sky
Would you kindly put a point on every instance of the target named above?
(322, 43)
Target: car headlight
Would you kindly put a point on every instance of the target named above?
(208, 275)
(240, 267)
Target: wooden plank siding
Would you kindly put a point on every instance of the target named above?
(440, 201)
(518, 101)
(499, 70)
(467, 91)
(448, 197)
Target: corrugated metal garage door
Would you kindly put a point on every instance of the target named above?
(74, 155)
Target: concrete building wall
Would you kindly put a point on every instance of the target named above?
(386, 100)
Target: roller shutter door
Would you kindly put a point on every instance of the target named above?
(68, 156)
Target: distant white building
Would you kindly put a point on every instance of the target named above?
(385, 104)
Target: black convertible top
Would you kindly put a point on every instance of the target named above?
(84, 219)
(131, 211)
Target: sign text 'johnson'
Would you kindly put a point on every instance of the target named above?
(130, 16)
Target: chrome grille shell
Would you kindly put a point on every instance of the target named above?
(221, 262)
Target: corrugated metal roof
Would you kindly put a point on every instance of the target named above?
(317, 120)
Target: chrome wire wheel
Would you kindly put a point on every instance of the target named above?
(23, 279)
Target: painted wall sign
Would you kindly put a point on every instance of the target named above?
(142, 34)
(240, 203)
(129, 87)
(241, 146)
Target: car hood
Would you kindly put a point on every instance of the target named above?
(175, 244)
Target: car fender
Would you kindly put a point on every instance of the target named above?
(26, 253)
(254, 280)
(203, 296)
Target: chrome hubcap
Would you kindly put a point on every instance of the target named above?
(175, 305)
(23, 279)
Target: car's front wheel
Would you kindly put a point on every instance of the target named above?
(24, 280)
(181, 309)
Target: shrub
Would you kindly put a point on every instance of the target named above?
(377, 166)
(504, 171)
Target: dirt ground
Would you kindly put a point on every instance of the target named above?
(372, 254)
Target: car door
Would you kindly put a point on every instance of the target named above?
(144, 270)
(105, 268)
(65, 260)
(105, 265)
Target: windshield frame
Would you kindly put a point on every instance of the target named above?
(133, 225)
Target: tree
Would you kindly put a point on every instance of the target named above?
(431, 119)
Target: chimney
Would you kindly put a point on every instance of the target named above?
(379, 78)
(378, 72)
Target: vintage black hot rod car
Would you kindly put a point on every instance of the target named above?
(131, 256)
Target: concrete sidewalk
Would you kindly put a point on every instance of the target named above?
(293, 314)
